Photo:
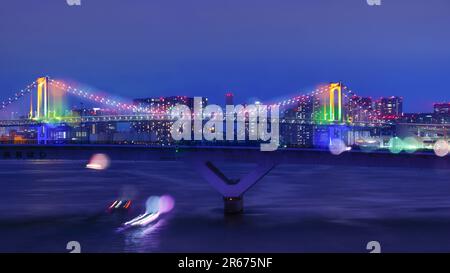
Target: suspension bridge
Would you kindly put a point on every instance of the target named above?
(46, 99)
(44, 106)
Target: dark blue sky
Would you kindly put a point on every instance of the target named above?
(256, 48)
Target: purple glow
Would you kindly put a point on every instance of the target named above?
(166, 203)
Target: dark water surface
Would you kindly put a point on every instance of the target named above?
(45, 204)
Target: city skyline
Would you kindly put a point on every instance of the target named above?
(332, 112)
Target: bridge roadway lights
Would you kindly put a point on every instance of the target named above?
(233, 190)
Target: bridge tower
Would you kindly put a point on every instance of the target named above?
(333, 103)
(41, 99)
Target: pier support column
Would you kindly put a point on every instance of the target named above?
(232, 190)
(42, 134)
(233, 205)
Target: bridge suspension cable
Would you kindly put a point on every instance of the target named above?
(346, 94)
(18, 95)
(316, 92)
(101, 99)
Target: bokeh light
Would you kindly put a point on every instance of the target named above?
(98, 162)
(441, 148)
(155, 206)
(152, 204)
(395, 145)
(411, 144)
(337, 146)
(166, 203)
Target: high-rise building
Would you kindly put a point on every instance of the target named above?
(297, 128)
(163, 104)
(389, 108)
(360, 109)
(442, 108)
(442, 112)
(161, 127)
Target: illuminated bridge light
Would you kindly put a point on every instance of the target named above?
(332, 114)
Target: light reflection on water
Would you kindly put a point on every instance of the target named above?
(143, 239)
(45, 204)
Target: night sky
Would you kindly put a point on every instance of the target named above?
(258, 49)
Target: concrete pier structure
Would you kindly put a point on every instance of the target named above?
(232, 190)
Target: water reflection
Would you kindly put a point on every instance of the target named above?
(143, 239)
(293, 209)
